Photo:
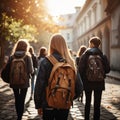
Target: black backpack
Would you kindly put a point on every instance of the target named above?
(5, 72)
(95, 68)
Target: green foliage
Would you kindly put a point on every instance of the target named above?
(30, 12)
(12, 29)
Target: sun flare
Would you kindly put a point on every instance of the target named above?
(57, 8)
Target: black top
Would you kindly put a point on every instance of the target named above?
(83, 66)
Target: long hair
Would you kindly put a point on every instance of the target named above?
(21, 45)
(58, 44)
(31, 50)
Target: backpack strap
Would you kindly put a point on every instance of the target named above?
(52, 59)
(55, 63)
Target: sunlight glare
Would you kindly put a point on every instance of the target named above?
(57, 8)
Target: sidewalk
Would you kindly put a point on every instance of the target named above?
(114, 74)
(110, 105)
(7, 108)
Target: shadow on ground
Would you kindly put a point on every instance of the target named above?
(105, 114)
(7, 109)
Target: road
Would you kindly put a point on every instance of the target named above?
(110, 105)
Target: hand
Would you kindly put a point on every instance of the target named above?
(40, 111)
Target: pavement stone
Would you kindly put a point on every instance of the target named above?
(110, 105)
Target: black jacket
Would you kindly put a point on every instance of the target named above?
(42, 82)
(35, 61)
(83, 65)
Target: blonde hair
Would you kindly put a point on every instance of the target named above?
(21, 45)
(58, 44)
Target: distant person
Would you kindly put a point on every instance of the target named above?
(59, 52)
(93, 67)
(20, 69)
(41, 56)
(79, 53)
(35, 65)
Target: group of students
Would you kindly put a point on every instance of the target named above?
(58, 48)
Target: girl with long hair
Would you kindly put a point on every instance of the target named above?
(57, 48)
(20, 50)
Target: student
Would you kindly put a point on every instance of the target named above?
(42, 54)
(20, 51)
(93, 86)
(35, 65)
(59, 50)
(80, 52)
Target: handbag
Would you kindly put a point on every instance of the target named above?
(5, 72)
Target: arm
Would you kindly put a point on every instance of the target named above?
(78, 86)
(82, 65)
(30, 65)
(40, 86)
(106, 64)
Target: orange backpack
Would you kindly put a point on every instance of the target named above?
(61, 85)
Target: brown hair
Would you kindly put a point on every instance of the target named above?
(81, 50)
(21, 45)
(95, 40)
(42, 52)
(31, 50)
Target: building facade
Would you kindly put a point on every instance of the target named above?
(100, 18)
(67, 21)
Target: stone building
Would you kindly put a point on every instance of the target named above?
(100, 18)
(67, 21)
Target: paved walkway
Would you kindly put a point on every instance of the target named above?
(110, 109)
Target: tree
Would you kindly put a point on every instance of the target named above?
(30, 11)
(12, 29)
(23, 18)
